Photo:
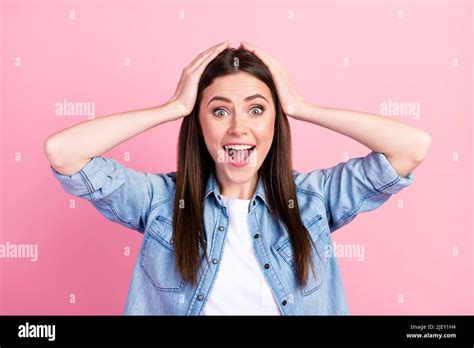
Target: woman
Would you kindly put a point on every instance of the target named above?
(235, 230)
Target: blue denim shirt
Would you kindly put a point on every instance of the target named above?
(328, 199)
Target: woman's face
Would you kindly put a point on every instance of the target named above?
(237, 117)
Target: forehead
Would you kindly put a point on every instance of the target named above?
(236, 86)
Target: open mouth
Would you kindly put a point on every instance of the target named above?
(239, 153)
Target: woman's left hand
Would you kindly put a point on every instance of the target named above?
(290, 101)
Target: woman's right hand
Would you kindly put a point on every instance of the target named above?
(185, 95)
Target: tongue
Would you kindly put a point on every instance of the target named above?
(239, 156)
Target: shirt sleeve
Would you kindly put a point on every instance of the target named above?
(121, 194)
(358, 185)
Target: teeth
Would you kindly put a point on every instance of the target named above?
(238, 147)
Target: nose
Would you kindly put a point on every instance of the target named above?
(237, 126)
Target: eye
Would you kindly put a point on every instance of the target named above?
(262, 109)
(218, 110)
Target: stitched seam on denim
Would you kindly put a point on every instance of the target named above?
(220, 257)
(352, 212)
(290, 260)
(207, 268)
(386, 186)
(281, 248)
(144, 194)
(86, 181)
(318, 285)
(323, 263)
(151, 279)
(258, 225)
(157, 236)
(315, 220)
(280, 245)
(115, 212)
(281, 288)
(357, 207)
(91, 189)
(153, 207)
(314, 194)
(390, 184)
(198, 289)
(164, 219)
(311, 193)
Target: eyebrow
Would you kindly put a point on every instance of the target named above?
(229, 101)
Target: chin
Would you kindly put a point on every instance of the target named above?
(239, 175)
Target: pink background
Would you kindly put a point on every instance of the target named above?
(409, 266)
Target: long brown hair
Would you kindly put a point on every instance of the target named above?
(195, 165)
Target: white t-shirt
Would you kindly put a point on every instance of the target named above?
(240, 288)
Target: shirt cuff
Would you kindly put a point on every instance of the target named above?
(89, 179)
(382, 175)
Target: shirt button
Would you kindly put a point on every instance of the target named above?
(214, 261)
(171, 241)
(221, 228)
(200, 297)
(267, 266)
(256, 235)
(284, 303)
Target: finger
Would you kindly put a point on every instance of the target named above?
(206, 59)
(264, 56)
(198, 60)
(205, 53)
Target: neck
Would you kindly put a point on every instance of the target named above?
(238, 190)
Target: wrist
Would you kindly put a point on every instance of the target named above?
(300, 110)
(307, 112)
(166, 112)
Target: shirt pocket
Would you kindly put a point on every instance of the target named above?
(158, 256)
(318, 230)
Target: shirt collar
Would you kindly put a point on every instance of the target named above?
(212, 186)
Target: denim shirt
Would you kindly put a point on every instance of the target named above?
(328, 199)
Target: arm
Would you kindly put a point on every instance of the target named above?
(121, 194)
(405, 146)
(72, 148)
